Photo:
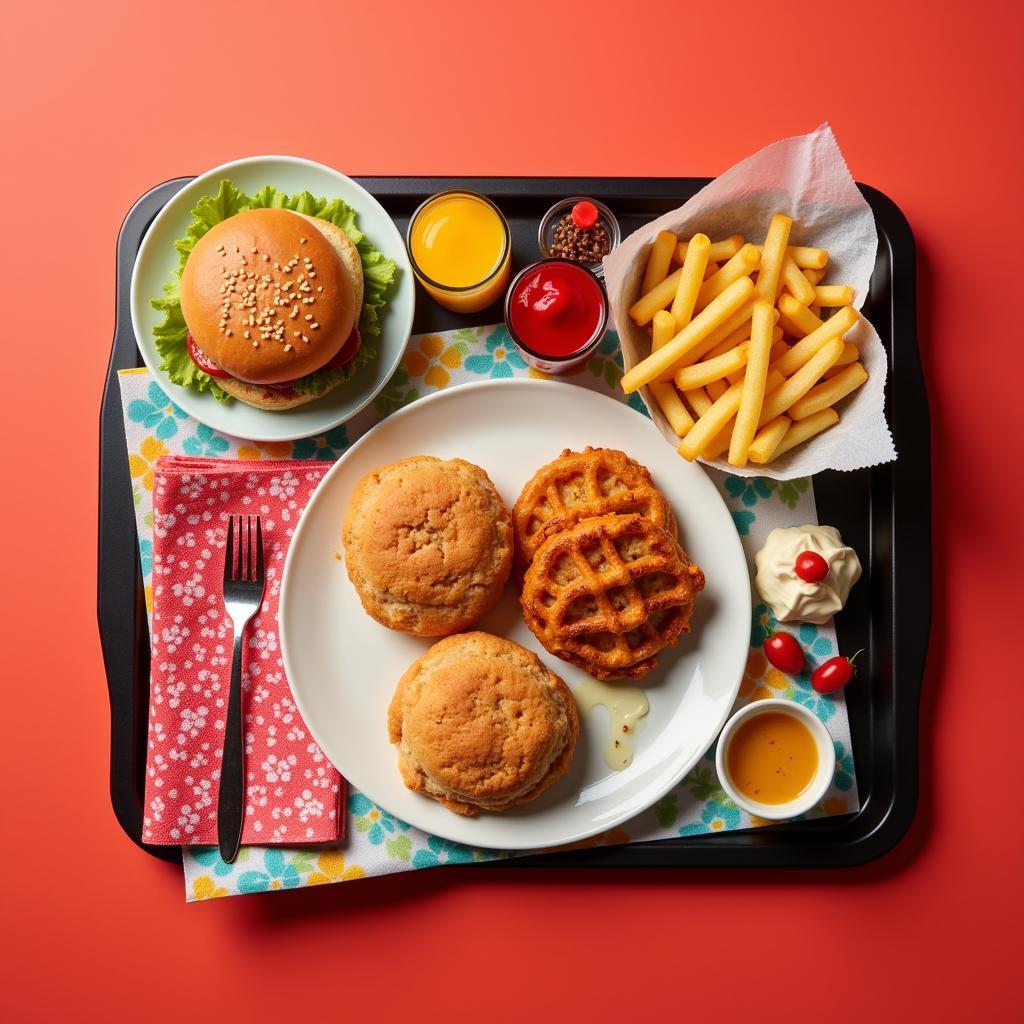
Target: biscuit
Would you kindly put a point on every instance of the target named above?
(428, 544)
(482, 724)
(580, 485)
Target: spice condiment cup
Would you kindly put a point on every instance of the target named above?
(550, 220)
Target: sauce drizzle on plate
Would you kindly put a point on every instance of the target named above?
(626, 705)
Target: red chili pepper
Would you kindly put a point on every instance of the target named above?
(584, 215)
(785, 653)
(811, 567)
(834, 674)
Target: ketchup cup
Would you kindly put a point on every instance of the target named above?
(556, 312)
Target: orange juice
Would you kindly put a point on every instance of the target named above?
(772, 757)
(460, 249)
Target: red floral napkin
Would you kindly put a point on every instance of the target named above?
(293, 793)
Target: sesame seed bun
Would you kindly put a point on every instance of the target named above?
(302, 267)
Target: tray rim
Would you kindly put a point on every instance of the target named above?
(777, 846)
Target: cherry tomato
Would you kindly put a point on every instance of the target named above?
(833, 674)
(203, 361)
(348, 351)
(785, 653)
(811, 567)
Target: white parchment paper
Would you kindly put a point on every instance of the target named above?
(807, 178)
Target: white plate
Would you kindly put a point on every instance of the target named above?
(158, 258)
(343, 666)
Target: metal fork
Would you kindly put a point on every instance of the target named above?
(244, 578)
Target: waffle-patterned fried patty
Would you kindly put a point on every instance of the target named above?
(579, 485)
(609, 593)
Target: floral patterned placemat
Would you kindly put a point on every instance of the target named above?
(379, 843)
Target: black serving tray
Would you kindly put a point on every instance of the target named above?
(884, 513)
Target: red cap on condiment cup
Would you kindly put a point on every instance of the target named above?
(584, 215)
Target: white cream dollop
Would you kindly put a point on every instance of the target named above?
(793, 599)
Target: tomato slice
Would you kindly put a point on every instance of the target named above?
(202, 360)
(348, 351)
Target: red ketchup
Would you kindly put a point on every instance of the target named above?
(556, 312)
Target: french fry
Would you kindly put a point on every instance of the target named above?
(716, 314)
(665, 393)
(825, 395)
(794, 388)
(833, 295)
(743, 264)
(711, 422)
(719, 444)
(796, 284)
(711, 269)
(833, 328)
(851, 353)
(642, 311)
(806, 257)
(767, 439)
(719, 253)
(805, 430)
(813, 276)
(752, 393)
(769, 273)
(778, 350)
(699, 374)
(736, 328)
(658, 260)
(690, 278)
(698, 401)
(815, 310)
(717, 388)
(734, 339)
(796, 318)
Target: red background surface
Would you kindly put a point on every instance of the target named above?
(102, 102)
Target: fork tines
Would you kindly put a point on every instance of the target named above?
(243, 559)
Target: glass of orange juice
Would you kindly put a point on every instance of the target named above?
(461, 250)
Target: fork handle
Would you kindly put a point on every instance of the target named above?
(231, 798)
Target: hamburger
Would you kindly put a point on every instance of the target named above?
(270, 296)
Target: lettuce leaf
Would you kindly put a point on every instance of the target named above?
(379, 274)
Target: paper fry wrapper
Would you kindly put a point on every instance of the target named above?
(807, 178)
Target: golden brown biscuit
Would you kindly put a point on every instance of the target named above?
(482, 724)
(428, 544)
(609, 593)
(579, 485)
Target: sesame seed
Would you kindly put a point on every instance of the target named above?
(246, 334)
(302, 336)
(308, 316)
(302, 241)
(314, 325)
(311, 274)
(253, 250)
(228, 332)
(287, 348)
(319, 287)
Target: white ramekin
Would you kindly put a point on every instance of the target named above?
(822, 779)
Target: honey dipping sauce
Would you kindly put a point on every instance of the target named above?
(458, 241)
(772, 757)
